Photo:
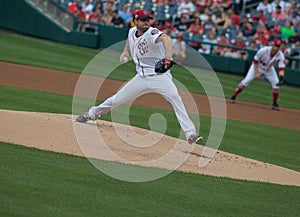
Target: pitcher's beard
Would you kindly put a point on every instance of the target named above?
(144, 29)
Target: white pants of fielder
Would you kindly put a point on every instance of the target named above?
(139, 85)
(269, 74)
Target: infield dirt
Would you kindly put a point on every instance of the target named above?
(55, 132)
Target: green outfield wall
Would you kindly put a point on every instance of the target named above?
(28, 17)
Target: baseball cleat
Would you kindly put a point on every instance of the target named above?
(83, 118)
(194, 138)
(275, 106)
(232, 99)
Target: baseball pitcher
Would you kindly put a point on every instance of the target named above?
(151, 51)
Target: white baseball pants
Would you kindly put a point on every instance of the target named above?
(139, 85)
(270, 75)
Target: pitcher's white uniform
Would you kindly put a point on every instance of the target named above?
(266, 66)
(145, 53)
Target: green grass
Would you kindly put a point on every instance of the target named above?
(31, 51)
(42, 183)
(36, 52)
(282, 150)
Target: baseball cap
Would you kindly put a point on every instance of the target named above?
(274, 30)
(184, 16)
(179, 35)
(276, 42)
(142, 14)
(295, 12)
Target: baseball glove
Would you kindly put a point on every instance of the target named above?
(163, 65)
(281, 82)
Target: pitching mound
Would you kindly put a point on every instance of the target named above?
(55, 132)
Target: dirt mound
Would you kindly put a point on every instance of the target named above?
(56, 132)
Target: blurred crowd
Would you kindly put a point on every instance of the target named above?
(202, 23)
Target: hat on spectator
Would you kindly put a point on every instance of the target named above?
(276, 42)
(142, 14)
(179, 35)
(255, 16)
(295, 12)
(274, 30)
(168, 24)
(184, 15)
(260, 31)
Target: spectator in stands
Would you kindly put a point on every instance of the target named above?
(233, 17)
(222, 50)
(253, 45)
(295, 51)
(81, 16)
(131, 23)
(236, 53)
(222, 22)
(87, 6)
(99, 7)
(265, 6)
(179, 48)
(221, 4)
(202, 5)
(195, 31)
(278, 15)
(107, 17)
(246, 27)
(295, 19)
(204, 16)
(255, 23)
(154, 22)
(274, 33)
(260, 38)
(209, 25)
(125, 14)
(136, 6)
(275, 4)
(208, 48)
(261, 17)
(117, 20)
(266, 30)
(292, 7)
(286, 51)
(160, 11)
(195, 27)
(277, 27)
(95, 17)
(169, 29)
(183, 24)
(109, 5)
(186, 7)
(73, 7)
(287, 31)
(289, 6)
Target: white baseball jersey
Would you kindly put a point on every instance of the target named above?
(266, 61)
(144, 51)
(266, 64)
